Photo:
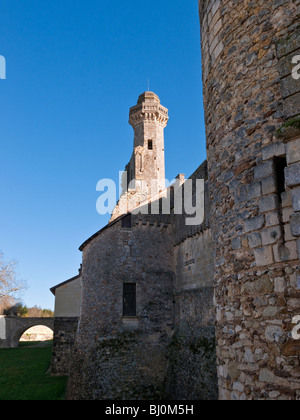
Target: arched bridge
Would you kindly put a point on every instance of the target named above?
(12, 328)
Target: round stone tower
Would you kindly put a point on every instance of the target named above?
(252, 108)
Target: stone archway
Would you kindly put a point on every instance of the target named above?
(37, 333)
(15, 328)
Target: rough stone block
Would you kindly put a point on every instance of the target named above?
(256, 223)
(268, 203)
(261, 286)
(292, 175)
(275, 149)
(272, 219)
(295, 224)
(269, 185)
(289, 86)
(292, 106)
(286, 214)
(280, 285)
(273, 333)
(285, 252)
(286, 198)
(254, 190)
(255, 240)
(293, 151)
(265, 374)
(236, 243)
(286, 66)
(271, 235)
(264, 256)
(288, 44)
(264, 170)
(287, 233)
(296, 199)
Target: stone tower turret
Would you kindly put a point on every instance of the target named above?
(145, 173)
(252, 112)
(148, 119)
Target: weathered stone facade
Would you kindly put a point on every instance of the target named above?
(239, 268)
(65, 329)
(250, 98)
(66, 317)
(170, 340)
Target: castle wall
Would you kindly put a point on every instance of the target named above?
(192, 365)
(168, 349)
(249, 95)
(119, 357)
(64, 333)
(66, 316)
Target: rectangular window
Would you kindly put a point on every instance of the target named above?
(126, 221)
(150, 145)
(129, 299)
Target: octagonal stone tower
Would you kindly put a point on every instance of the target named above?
(148, 119)
(145, 173)
(252, 109)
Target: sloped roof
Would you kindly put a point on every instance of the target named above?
(53, 289)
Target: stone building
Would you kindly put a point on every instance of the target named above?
(168, 310)
(146, 321)
(66, 317)
(252, 113)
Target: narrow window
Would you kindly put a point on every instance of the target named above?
(126, 222)
(140, 162)
(280, 164)
(150, 145)
(129, 299)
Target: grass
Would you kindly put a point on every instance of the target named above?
(23, 375)
(291, 123)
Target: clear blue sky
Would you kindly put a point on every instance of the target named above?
(74, 68)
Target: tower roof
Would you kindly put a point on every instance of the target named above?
(148, 108)
(148, 97)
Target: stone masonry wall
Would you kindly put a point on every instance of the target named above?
(192, 366)
(168, 349)
(117, 357)
(63, 343)
(249, 97)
